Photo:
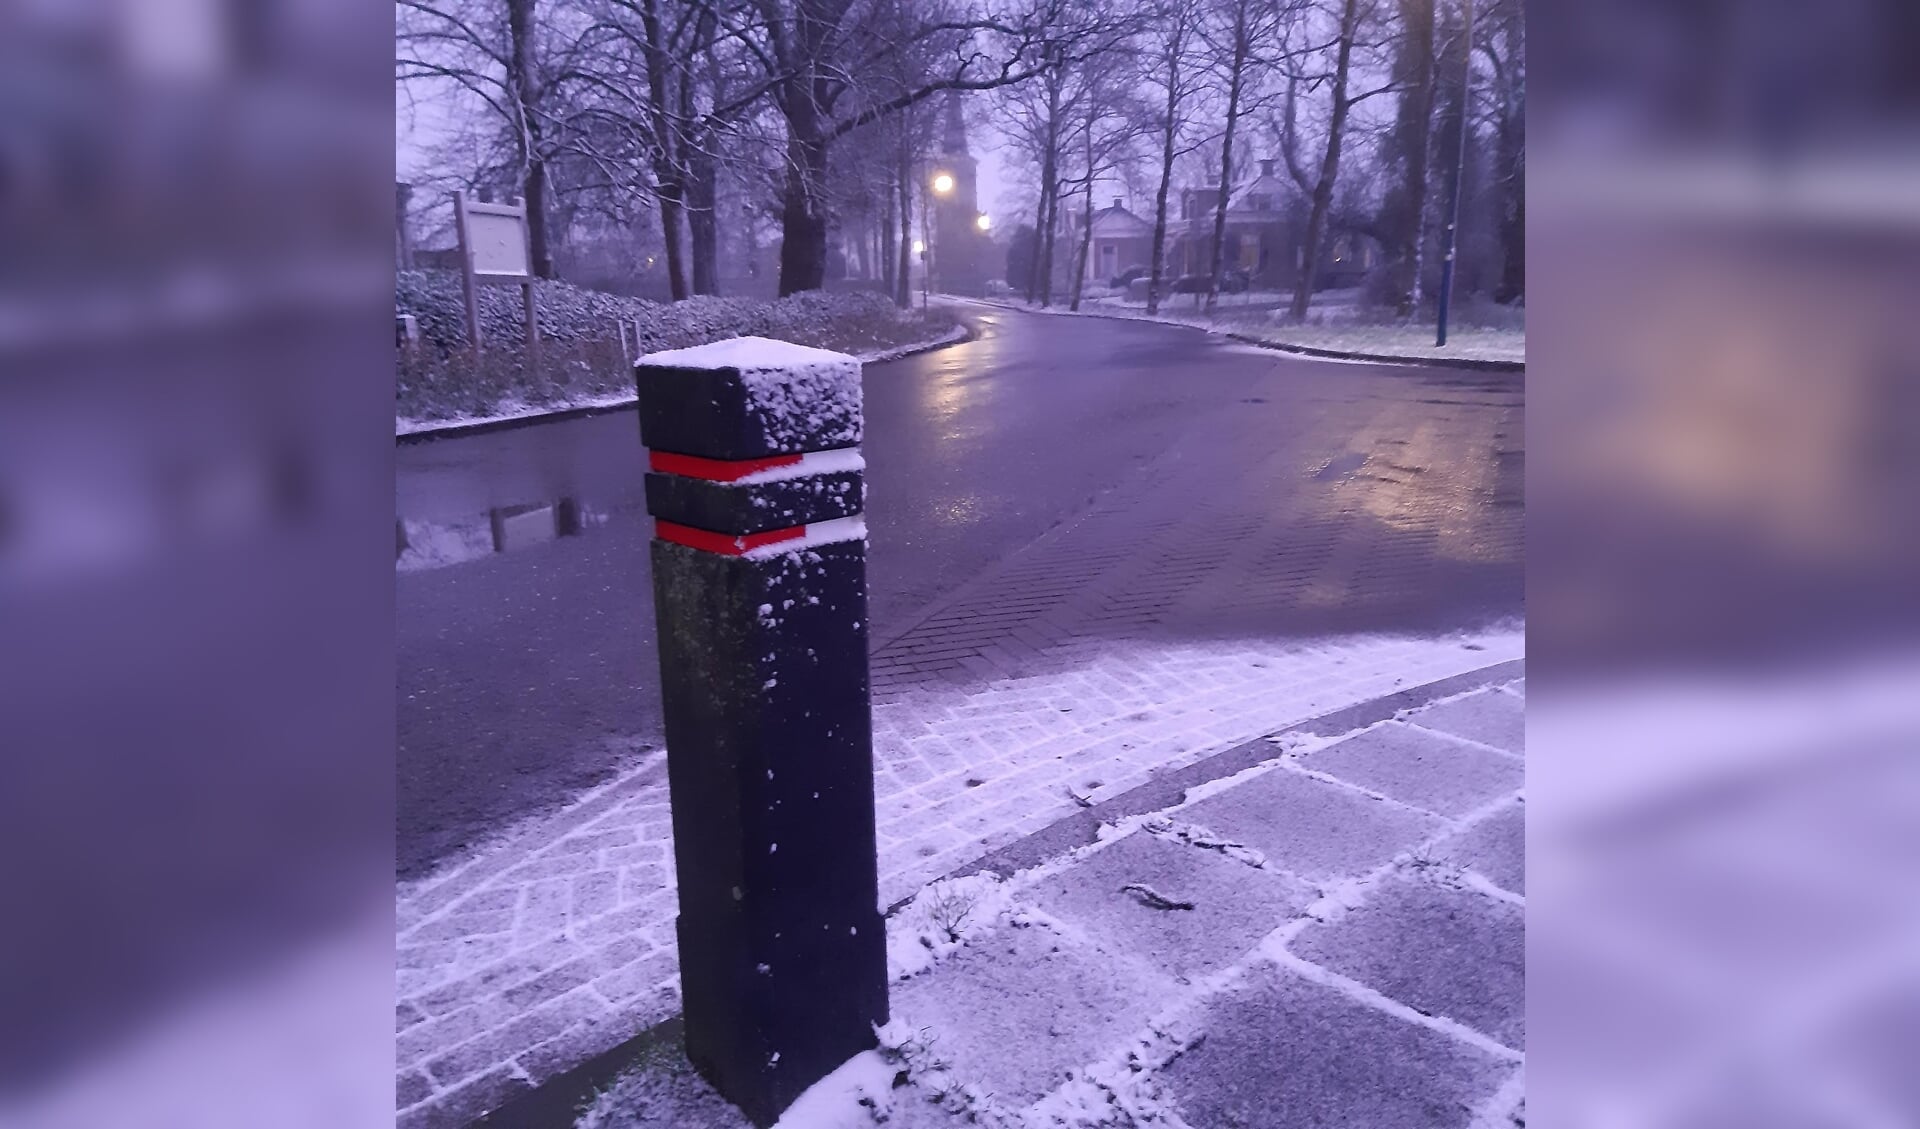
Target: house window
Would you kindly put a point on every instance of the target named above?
(1261, 202)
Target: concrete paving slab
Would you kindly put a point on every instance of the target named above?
(1496, 847)
(1310, 827)
(1017, 1009)
(1282, 1052)
(1234, 905)
(1445, 952)
(1488, 716)
(1420, 768)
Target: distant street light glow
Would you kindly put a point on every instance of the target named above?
(943, 183)
(919, 248)
(983, 223)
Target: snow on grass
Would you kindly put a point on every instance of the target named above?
(589, 339)
(940, 919)
(1339, 326)
(1410, 340)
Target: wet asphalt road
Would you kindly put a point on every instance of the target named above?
(525, 676)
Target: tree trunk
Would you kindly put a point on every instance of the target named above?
(1513, 198)
(1169, 129)
(1086, 228)
(537, 239)
(803, 210)
(1049, 191)
(887, 264)
(702, 222)
(697, 157)
(1329, 166)
(803, 216)
(903, 294)
(667, 187)
(1033, 261)
(520, 81)
(1412, 130)
(1236, 83)
(671, 214)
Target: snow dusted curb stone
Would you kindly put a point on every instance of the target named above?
(417, 431)
(1470, 363)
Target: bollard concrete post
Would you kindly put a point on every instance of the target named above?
(759, 573)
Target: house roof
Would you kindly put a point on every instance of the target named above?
(1115, 222)
(1240, 205)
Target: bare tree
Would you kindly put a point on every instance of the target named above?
(492, 51)
(1111, 118)
(1238, 37)
(817, 57)
(1173, 70)
(1403, 212)
(1350, 22)
(1503, 42)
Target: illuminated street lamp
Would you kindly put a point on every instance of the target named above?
(942, 183)
(919, 248)
(982, 222)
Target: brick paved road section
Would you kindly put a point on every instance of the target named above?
(1211, 599)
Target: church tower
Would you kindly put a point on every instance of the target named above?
(960, 246)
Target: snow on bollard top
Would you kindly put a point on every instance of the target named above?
(801, 396)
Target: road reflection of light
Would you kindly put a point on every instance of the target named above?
(1441, 482)
(964, 509)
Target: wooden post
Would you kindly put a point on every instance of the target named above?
(466, 272)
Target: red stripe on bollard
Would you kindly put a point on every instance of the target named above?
(715, 470)
(726, 544)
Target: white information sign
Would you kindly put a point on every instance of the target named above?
(497, 238)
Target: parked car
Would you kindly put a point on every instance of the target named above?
(1232, 282)
(1125, 278)
(1229, 283)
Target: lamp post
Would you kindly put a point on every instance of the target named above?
(942, 185)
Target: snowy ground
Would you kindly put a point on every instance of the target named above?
(558, 945)
(513, 410)
(589, 339)
(1336, 323)
(1330, 937)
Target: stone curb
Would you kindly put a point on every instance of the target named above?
(557, 1102)
(1471, 364)
(458, 430)
(1081, 828)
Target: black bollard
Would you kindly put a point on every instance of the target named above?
(759, 575)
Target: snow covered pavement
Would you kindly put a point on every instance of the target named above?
(1333, 936)
(511, 973)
